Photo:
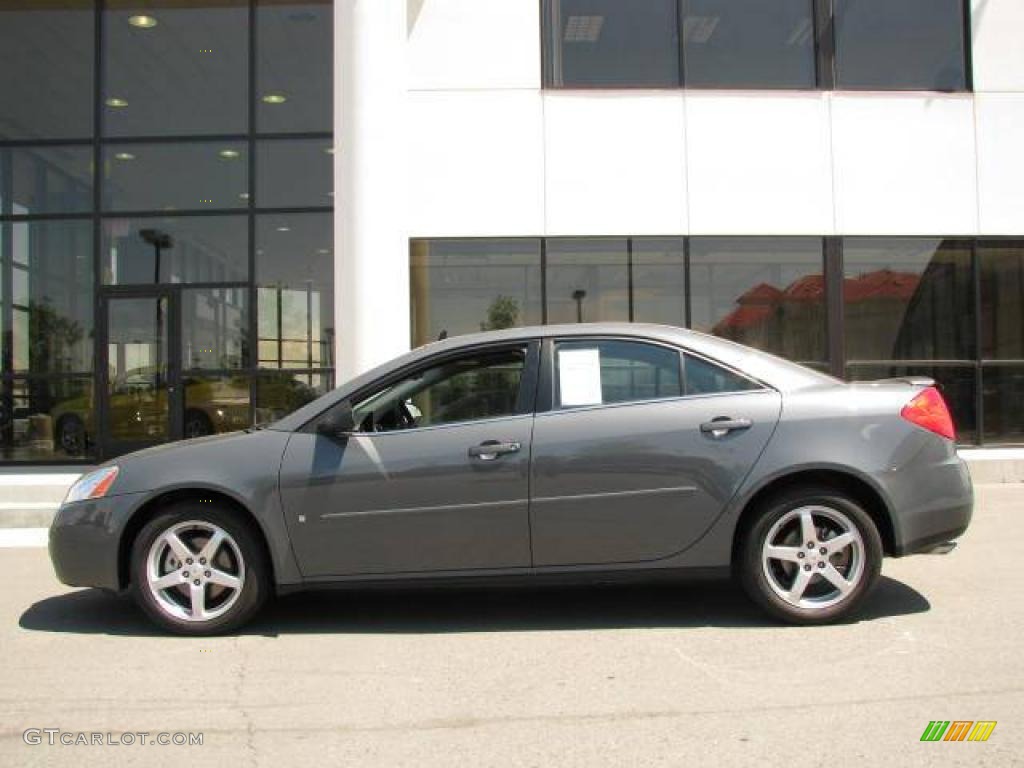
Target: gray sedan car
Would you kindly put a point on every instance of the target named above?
(583, 452)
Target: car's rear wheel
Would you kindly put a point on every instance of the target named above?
(197, 569)
(811, 556)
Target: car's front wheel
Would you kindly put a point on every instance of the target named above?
(811, 556)
(196, 569)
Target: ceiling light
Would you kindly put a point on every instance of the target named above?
(243, 195)
(275, 98)
(229, 154)
(142, 22)
(284, 229)
(323, 251)
(115, 102)
(124, 156)
(329, 150)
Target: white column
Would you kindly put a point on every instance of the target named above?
(371, 262)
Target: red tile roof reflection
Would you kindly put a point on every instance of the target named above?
(756, 305)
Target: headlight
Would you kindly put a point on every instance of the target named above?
(93, 485)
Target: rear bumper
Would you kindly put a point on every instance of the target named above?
(931, 506)
(85, 540)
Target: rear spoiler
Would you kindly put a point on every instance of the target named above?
(913, 381)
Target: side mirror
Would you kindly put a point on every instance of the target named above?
(339, 423)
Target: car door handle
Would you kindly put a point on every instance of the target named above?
(723, 425)
(492, 449)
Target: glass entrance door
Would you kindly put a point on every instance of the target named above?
(141, 392)
(175, 365)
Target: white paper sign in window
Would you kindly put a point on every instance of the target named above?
(579, 376)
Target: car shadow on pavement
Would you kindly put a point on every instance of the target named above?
(698, 604)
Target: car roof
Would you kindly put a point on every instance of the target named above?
(776, 372)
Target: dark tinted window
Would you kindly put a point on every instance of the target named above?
(50, 273)
(587, 280)
(295, 286)
(1002, 300)
(294, 174)
(294, 62)
(659, 280)
(46, 180)
(467, 286)
(767, 293)
(214, 328)
(175, 68)
(908, 299)
(278, 393)
(704, 378)
(1003, 401)
(748, 43)
(180, 249)
(597, 372)
(46, 419)
(894, 44)
(174, 177)
(481, 386)
(46, 69)
(613, 43)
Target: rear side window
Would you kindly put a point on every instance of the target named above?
(599, 372)
(704, 378)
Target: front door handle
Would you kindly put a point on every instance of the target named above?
(489, 450)
(720, 426)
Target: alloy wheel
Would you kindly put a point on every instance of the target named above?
(195, 571)
(813, 557)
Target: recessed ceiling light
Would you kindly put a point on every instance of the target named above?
(115, 102)
(142, 22)
(124, 156)
(284, 229)
(229, 154)
(244, 195)
(329, 150)
(274, 98)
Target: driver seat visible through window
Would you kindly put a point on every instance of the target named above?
(484, 385)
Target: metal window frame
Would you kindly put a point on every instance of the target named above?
(97, 215)
(823, 14)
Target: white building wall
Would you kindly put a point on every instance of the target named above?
(490, 153)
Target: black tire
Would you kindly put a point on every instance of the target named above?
(70, 435)
(197, 424)
(754, 573)
(256, 582)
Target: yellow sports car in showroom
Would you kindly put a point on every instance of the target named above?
(138, 410)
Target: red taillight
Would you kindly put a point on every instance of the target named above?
(928, 410)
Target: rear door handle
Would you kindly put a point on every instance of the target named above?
(723, 425)
(489, 450)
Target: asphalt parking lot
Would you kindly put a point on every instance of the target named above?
(643, 676)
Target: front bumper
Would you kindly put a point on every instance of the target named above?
(85, 541)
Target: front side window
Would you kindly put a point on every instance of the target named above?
(600, 372)
(484, 385)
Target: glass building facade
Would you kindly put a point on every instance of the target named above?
(166, 231)
(859, 308)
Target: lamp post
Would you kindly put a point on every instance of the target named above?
(578, 296)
